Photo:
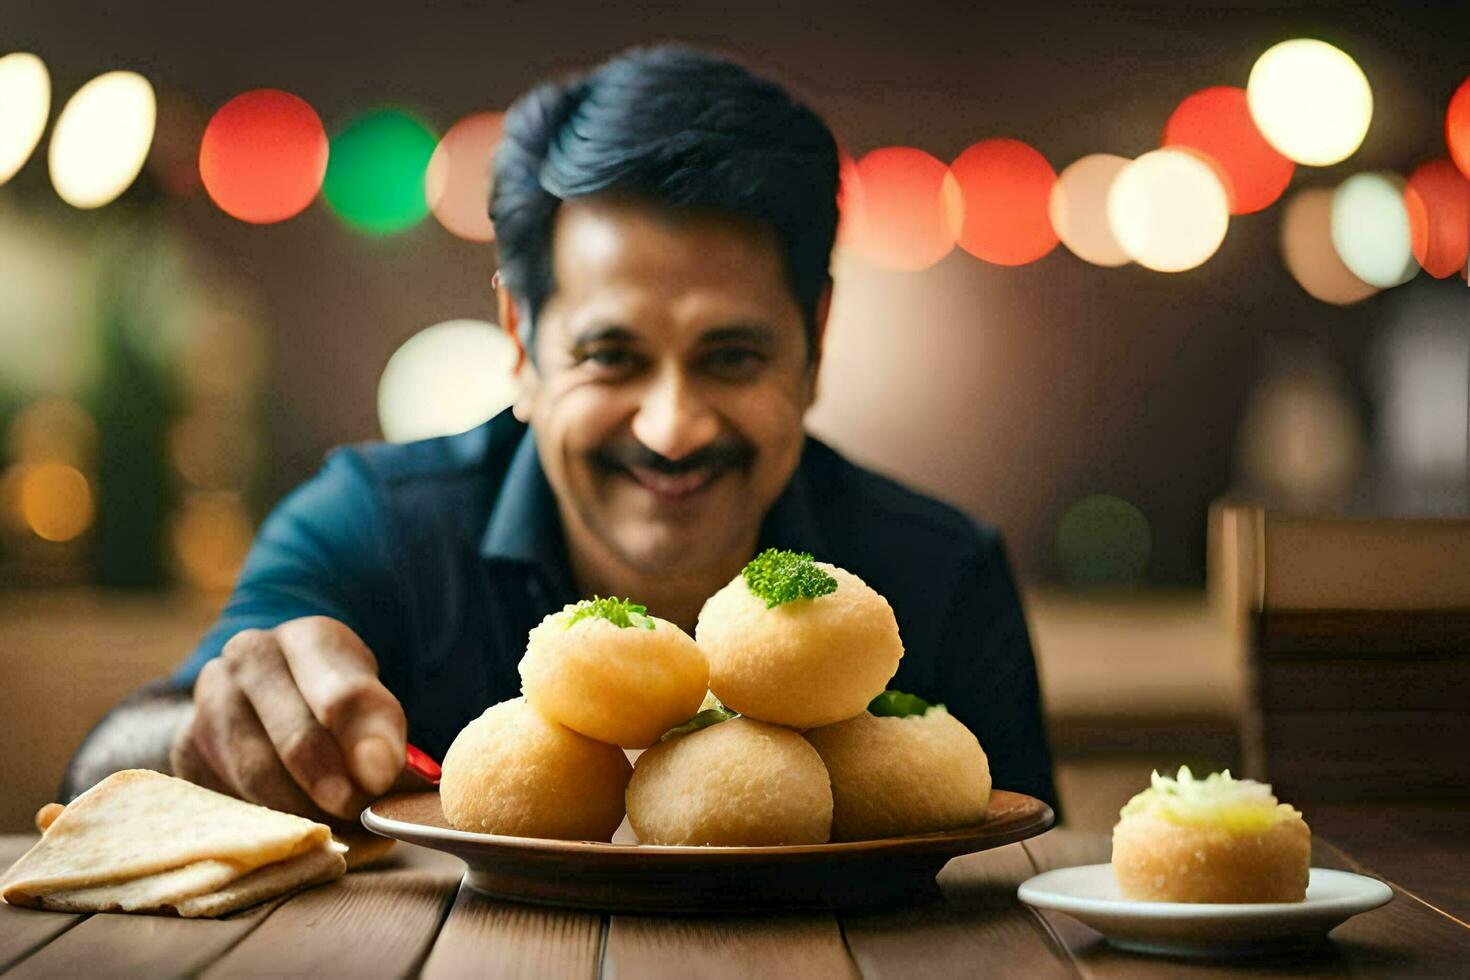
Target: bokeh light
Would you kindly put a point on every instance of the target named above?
(211, 534)
(1079, 209)
(1104, 540)
(214, 449)
(55, 500)
(905, 209)
(458, 181)
(1370, 229)
(1311, 101)
(1006, 186)
(1437, 198)
(445, 379)
(375, 172)
(263, 156)
(52, 430)
(1217, 122)
(1306, 248)
(101, 138)
(1457, 127)
(1168, 210)
(1302, 446)
(25, 104)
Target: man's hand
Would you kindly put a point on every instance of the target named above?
(294, 718)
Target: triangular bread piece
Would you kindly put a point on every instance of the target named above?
(138, 823)
(311, 868)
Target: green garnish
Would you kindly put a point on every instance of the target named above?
(620, 612)
(713, 715)
(778, 576)
(897, 704)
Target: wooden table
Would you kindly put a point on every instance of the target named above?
(413, 918)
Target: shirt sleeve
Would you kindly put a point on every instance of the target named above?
(988, 674)
(323, 551)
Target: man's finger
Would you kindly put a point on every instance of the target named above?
(338, 678)
(307, 750)
(233, 742)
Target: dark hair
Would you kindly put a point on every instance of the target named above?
(681, 127)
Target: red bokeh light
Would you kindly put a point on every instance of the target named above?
(1006, 186)
(900, 208)
(1217, 122)
(1457, 127)
(1438, 200)
(263, 156)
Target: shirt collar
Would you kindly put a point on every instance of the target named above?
(525, 525)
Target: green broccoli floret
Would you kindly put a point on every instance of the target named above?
(619, 612)
(779, 576)
(897, 704)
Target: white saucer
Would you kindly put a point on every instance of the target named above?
(1091, 895)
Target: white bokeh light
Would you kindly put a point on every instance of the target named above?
(1168, 210)
(1311, 101)
(1370, 229)
(25, 103)
(1079, 209)
(101, 138)
(445, 379)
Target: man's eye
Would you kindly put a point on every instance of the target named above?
(612, 358)
(735, 361)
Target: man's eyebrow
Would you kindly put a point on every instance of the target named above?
(600, 332)
(751, 333)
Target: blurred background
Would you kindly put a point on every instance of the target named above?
(1102, 267)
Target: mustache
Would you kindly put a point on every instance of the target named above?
(716, 456)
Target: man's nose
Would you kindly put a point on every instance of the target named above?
(672, 420)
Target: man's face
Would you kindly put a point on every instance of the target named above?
(670, 382)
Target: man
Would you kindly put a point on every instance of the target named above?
(665, 225)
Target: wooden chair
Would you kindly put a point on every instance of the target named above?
(1358, 652)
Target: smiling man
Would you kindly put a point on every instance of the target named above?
(665, 225)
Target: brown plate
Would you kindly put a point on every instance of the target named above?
(630, 877)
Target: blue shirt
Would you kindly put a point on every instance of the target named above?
(442, 554)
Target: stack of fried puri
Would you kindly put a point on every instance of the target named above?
(140, 841)
(598, 677)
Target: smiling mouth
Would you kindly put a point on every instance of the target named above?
(673, 488)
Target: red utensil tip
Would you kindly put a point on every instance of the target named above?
(418, 761)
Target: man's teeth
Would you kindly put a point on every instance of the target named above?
(671, 485)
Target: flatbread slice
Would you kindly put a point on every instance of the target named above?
(138, 823)
(311, 868)
(148, 892)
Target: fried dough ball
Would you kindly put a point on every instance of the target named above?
(626, 685)
(512, 771)
(897, 776)
(1213, 840)
(803, 663)
(738, 783)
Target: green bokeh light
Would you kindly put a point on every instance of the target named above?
(375, 173)
(1104, 540)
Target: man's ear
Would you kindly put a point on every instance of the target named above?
(509, 319)
(819, 337)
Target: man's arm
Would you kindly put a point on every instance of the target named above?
(988, 674)
(276, 701)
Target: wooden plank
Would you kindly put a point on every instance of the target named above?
(1353, 563)
(1353, 755)
(370, 924)
(484, 937)
(806, 946)
(23, 931)
(122, 945)
(1404, 938)
(977, 929)
(1364, 632)
(1364, 684)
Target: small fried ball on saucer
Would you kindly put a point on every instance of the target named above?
(740, 782)
(895, 775)
(607, 669)
(1216, 839)
(798, 642)
(513, 771)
